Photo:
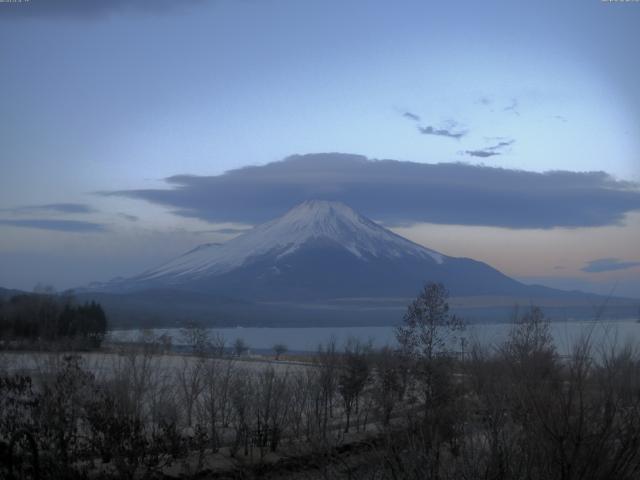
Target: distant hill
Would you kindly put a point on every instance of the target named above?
(7, 292)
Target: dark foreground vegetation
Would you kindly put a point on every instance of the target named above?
(514, 411)
(40, 318)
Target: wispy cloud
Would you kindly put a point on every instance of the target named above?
(225, 231)
(513, 107)
(449, 130)
(56, 225)
(608, 265)
(52, 207)
(411, 116)
(230, 231)
(441, 132)
(491, 150)
(400, 193)
(481, 153)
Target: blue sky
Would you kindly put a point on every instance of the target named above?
(100, 97)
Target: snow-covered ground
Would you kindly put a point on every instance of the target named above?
(105, 364)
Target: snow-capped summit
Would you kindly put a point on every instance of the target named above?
(318, 249)
(311, 222)
(315, 219)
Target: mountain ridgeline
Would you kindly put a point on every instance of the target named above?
(319, 261)
(321, 250)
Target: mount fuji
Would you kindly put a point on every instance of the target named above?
(322, 263)
(320, 250)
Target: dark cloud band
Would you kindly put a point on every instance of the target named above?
(57, 225)
(401, 193)
(87, 8)
(608, 265)
(53, 207)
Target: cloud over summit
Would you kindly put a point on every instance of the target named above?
(401, 193)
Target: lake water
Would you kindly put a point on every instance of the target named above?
(602, 333)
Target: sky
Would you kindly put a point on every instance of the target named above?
(508, 132)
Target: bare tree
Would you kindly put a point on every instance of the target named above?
(328, 360)
(272, 401)
(190, 379)
(428, 325)
(529, 344)
(242, 401)
(196, 337)
(215, 406)
(299, 412)
(240, 347)
(218, 345)
(353, 376)
(429, 328)
(389, 382)
(279, 349)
